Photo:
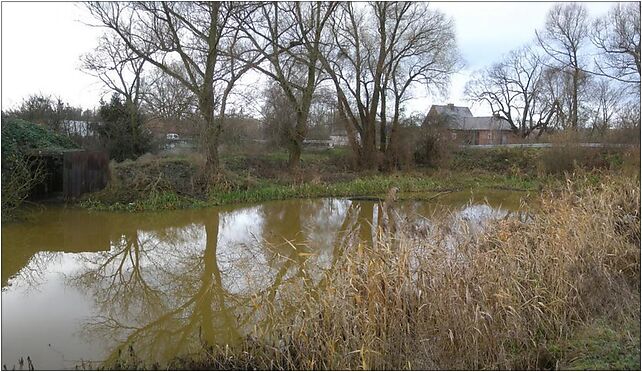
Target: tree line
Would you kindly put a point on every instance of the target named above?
(371, 56)
(351, 64)
(578, 72)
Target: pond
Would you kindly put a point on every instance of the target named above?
(78, 286)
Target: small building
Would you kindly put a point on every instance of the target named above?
(339, 138)
(485, 130)
(69, 173)
(467, 129)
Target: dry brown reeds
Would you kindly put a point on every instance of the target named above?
(494, 301)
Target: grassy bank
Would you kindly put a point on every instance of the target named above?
(560, 289)
(161, 183)
(251, 190)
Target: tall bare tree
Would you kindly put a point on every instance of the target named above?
(564, 35)
(381, 50)
(617, 36)
(422, 53)
(121, 71)
(606, 102)
(289, 36)
(194, 43)
(515, 91)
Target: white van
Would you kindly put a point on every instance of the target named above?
(172, 136)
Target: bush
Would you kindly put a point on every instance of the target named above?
(434, 146)
(121, 130)
(20, 173)
(522, 161)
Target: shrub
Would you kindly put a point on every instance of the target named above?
(434, 146)
(522, 161)
(121, 130)
(20, 173)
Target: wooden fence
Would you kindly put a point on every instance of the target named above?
(84, 171)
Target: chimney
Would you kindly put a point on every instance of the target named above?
(451, 106)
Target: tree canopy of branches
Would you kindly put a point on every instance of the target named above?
(515, 90)
(564, 36)
(382, 50)
(289, 37)
(195, 43)
(120, 70)
(117, 66)
(617, 36)
(605, 103)
(167, 98)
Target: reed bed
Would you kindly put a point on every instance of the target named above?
(497, 300)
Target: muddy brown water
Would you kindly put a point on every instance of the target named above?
(77, 286)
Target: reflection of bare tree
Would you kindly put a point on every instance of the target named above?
(170, 292)
(117, 277)
(165, 298)
(33, 273)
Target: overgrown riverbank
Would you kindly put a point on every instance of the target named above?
(557, 290)
(160, 183)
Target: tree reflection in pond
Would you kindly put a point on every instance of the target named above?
(170, 292)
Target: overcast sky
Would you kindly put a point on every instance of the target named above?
(42, 43)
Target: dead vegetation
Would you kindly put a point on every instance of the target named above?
(501, 300)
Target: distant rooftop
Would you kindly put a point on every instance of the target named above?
(452, 110)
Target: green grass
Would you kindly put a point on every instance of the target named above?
(248, 178)
(265, 190)
(602, 345)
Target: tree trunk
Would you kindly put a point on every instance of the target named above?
(369, 147)
(294, 156)
(296, 141)
(382, 133)
(133, 123)
(392, 150)
(211, 131)
(574, 105)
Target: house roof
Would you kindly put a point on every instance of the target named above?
(481, 123)
(452, 110)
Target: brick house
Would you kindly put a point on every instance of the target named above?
(468, 129)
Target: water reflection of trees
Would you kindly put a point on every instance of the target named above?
(170, 292)
(34, 273)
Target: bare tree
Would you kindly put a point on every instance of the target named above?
(278, 114)
(289, 36)
(382, 50)
(422, 52)
(194, 43)
(120, 70)
(117, 66)
(515, 91)
(606, 103)
(165, 97)
(617, 36)
(563, 37)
